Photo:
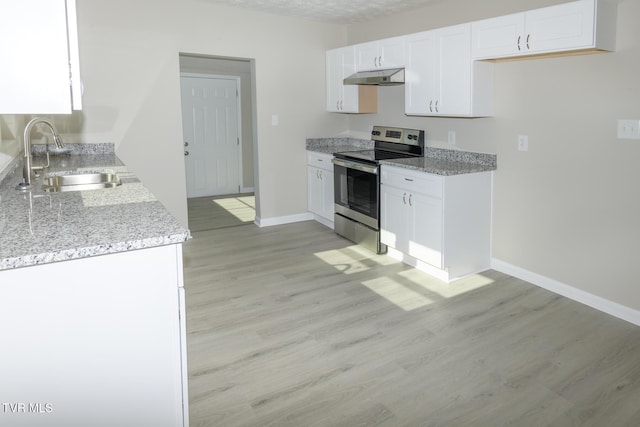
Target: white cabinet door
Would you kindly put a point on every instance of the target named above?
(560, 27)
(498, 37)
(441, 79)
(380, 54)
(411, 223)
(327, 205)
(392, 53)
(314, 189)
(421, 73)
(347, 98)
(107, 335)
(394, 218)
(320, 185)
(454, 71)
(367, 56)
(39, 49)
(320, 192)
(337, 69)
(425, 241)
(579, 25)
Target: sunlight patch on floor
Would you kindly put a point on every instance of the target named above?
(396, 293)
(242, 208)
(353, 259)
(445, 290)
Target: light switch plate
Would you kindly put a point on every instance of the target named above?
(628, 129)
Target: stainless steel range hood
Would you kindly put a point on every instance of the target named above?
(390, 77)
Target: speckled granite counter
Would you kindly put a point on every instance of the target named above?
(38, 227)
(436, 160)
(336, 145)
(447, 162)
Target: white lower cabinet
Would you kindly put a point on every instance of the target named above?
(320, 187)
(97, 341)
(440, 224)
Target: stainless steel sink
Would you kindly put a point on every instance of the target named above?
(80, 181)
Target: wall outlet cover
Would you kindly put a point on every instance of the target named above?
(452, 137)
(523, 142)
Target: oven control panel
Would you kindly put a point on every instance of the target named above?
(398, 135)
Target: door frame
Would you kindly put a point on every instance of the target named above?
(238, 114)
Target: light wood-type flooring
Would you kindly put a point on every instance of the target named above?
(208, 213)
(293, 326)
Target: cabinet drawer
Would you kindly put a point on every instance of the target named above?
(320, 160)
(414, 181)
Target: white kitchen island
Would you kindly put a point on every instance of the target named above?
(91, 305)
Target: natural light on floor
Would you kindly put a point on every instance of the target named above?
(408, 289)
(353, 259)
(242, 207)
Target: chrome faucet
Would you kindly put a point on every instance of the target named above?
(28, 167)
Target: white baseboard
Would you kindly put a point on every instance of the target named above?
(280, 220)
(614, 309)
(419, 265)
(324, 221)
(247, 190)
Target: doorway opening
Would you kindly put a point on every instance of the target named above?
(218, 120)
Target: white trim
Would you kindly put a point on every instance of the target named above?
(244, 190)
(280, 220)
(419, 265)
(324, 221)
(614, 309)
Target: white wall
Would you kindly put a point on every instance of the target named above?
(568, 208)
(129, 53)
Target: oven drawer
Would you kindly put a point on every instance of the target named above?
(320, 160)
(414, 181)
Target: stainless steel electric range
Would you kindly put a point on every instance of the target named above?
(357, 183)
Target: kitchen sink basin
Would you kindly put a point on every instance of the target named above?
(80, 181)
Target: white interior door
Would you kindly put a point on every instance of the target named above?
(210, 129)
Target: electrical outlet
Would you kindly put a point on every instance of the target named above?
(452, 137)
(274, 120)
(523, 143)
(628, 129)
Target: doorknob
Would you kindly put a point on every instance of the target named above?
(186, 153)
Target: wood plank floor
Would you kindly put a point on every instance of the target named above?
(208, 213)
(293, 326)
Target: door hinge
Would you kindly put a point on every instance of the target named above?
(238, 140)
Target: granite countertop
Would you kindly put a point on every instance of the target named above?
(437, 161)
(38, 227)
(438, 166)
(337, 145)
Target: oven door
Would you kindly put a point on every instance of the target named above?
(356, 191)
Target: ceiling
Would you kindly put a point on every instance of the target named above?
(333, 11)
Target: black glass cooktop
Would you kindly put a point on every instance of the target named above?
(371, 156)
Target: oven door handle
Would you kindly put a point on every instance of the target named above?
(355, 165)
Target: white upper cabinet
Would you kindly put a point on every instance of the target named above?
(343, 98)
(380, 54)
(575, 26)
(39, 50)
(440, 77)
